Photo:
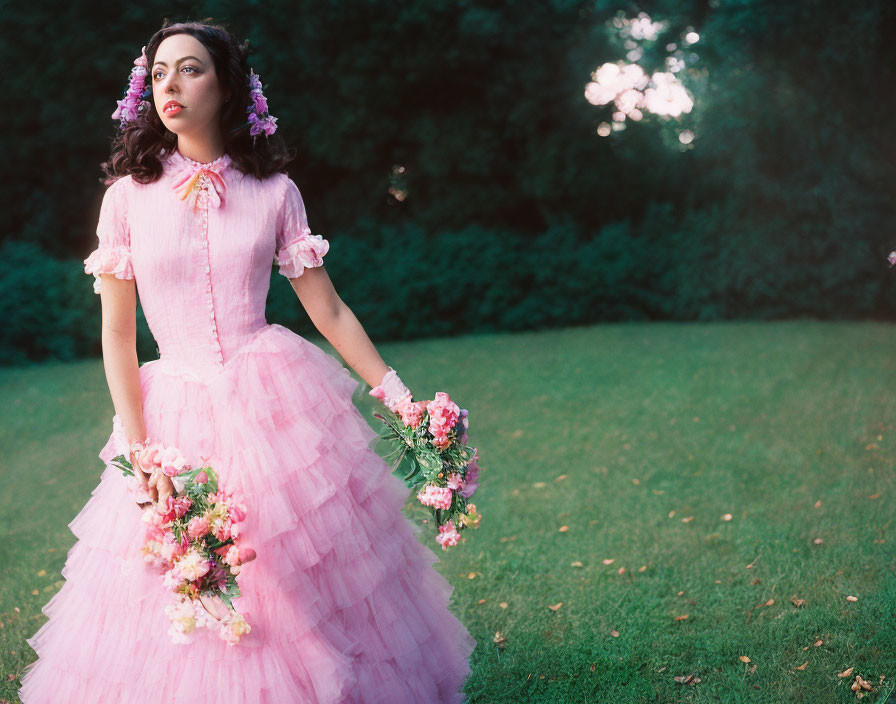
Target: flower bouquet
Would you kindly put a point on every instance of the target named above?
(194, 537)
(430, 437)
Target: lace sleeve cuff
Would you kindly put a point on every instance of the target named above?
(306, 251)
(107, 259)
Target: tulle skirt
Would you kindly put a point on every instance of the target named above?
(343, 600)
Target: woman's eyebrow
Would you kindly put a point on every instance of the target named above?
(162, 63)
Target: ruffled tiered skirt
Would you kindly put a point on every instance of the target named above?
(343, 599)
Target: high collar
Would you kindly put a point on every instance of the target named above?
(179, 162)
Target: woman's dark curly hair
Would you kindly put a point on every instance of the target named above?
(139, 148)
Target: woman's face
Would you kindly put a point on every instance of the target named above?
(184, 73)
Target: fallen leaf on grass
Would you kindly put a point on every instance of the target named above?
(503, 604)
(555, 607)
(481, 601)
(472, 575)
(875, 496)
(575, 564)
(797, 602)
(818, 541)
(563, 529)
(609, 561)
(852, 598)
(727, 517)
(499, 640)
(539, 485)
(671, 514)
(635, 481)
(803, 666)
(818, 504)
(41, 573)
(743, 658)
(560, 478)
(860, 684)
(687, 520)
(615, 634)
(770, 602)
(817, 643)
(682, 617)
(846, 673)
(642, 568)
(690, 679)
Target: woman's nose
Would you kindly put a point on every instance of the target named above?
(169, 82)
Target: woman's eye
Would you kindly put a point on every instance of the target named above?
(158, 73)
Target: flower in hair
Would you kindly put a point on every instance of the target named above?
(259, 117)
(128, 107)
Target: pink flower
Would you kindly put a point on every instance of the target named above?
(436, 496)
(448, 535)
(201, 478)
(236, 513)
(232, 556)
(173, 463)
(892, 258)
(455, 481)
(175, 507)
(197, 527)
(221, 530)
(443, 416)
(411, 412)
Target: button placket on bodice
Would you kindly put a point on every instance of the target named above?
(202, 201)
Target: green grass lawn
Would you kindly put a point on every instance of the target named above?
(610, 457)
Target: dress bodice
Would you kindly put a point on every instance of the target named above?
(199, 243)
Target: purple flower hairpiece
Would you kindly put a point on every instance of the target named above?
(128, 108)
(259, 117)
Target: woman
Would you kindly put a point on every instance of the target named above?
(343, 601)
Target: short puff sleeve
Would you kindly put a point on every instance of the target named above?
(297, 248)
(113, 255)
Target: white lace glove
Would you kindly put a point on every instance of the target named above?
(391, 391)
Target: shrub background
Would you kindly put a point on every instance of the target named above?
(511, 212)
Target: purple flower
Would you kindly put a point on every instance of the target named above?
(471, 480)
(261, 103)
(892, 259)
(259, 119)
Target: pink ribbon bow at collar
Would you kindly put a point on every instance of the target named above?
(192, 178)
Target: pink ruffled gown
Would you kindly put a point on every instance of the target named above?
(343, 600)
